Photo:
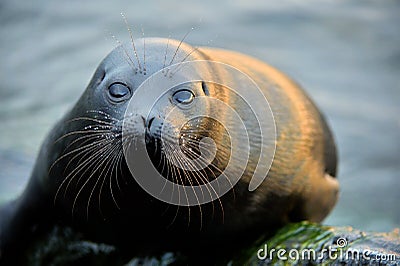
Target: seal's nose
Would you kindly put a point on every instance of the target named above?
(149, 122)
(152, 124)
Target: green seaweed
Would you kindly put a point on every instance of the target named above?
(64, 246)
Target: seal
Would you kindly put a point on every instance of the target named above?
(83, 178)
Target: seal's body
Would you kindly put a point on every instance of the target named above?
(81, 178)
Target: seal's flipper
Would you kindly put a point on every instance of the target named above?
(319, 199)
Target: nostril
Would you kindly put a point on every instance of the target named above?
(150, 122)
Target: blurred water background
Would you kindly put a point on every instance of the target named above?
(346, 54)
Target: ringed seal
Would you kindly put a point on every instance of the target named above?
(82, 178)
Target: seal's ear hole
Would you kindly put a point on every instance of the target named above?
(205, 88)
(118, 92)
(103, 75)
(99, 76)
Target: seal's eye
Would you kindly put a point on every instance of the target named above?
(119, 92)
(183, 97)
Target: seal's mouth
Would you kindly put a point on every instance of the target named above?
(187, 155)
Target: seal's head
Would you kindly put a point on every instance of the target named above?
(105, 124)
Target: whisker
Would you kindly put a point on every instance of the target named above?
(130, 61)
(213, 190)
(179, 194)
(110, 178)
(177, 162)
(144, 52)
(165, 55)
(83, 162)
(72, 175)
(187, 174)
(174, 71)
(132, 41)
(98, 133)
(108, 162)
(118, 162)
(179, 45)
(106, 115)
(93, 162)
(73, 151)
(85, 139)
(92, 119)
(163, 159)
(83, 156)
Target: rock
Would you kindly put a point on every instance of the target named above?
(301, 244)
(310, 244)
